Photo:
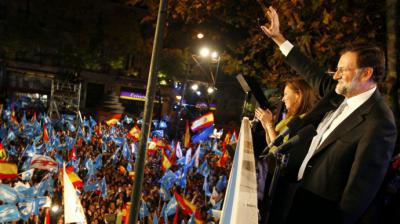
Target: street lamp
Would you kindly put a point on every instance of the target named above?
(200, 36)
(204, 52)
(195, 87)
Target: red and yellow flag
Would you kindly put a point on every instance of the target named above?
(33, 119)
(113, 120)
(3, 153)
(75, 179)
(47, 217)
(203, 121)
(72, 153)
(186, 140)
(134, 133)
(14, 116)
(224, 157)
(187, 207)
(166, 164)
(152, 147)
(8, 170)
(45, 134)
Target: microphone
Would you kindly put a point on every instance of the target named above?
(303, 135)
(293, 126)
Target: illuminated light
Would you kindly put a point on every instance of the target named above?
(204, 52)
(210, 90)
(198, 93)
(163, 82)
(214, 55)
(200, 36)
(178, 97)
(55, 208)
(195, 87)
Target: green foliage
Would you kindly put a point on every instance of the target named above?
(319, 28)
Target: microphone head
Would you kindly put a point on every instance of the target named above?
(307, 132)
(295, 124)
(304, 134)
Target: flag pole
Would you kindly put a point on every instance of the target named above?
(148, 111)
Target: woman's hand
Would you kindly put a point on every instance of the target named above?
(265, 117)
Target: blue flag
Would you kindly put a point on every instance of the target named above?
(167, 181)
(164, 194)
(181, 178)
(164, 214)
(9, 213)
(8, 194)
(70, 126)
(90, 186)
(217, 205)
(155, 218)
(144, 211)
(90, 167)
(92, 122)
(203, 134)
(206, 187)
(103, 187)
(129, 167)
(192, 219)
(26, 164)
(98, 162)
(127, 119)
(46, 184)
(59, 159)
(10, 135)
(104, 147)
(118, 141)
(26, 208)
(221, 184)
(125, 151)
(204, 169)
(171, 207)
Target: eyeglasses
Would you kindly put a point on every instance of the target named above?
(341, 70)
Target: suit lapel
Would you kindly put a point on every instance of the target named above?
(350, 122)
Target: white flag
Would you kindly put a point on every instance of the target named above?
(196, 156)
(240, 204)
(27, 175)
(73, 211)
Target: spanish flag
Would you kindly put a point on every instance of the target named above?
(152, 147)
(166, 164)
(45, 135)
(47, 217)
(8, 170)
(186, 140)
(187, 207)
(3, 153)
(14, 116)
(202, 122)
(134, 133)
(76, 181)
(114, 119)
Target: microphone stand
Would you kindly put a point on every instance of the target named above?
(281, 161)
(246, 102)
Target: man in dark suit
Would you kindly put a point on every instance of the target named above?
(345, 164)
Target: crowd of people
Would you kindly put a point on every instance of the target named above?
(101, 156)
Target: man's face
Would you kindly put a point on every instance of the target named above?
(347, 75)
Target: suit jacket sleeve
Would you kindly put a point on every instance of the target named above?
(310, 71)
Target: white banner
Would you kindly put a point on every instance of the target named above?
(240, 204)
(73, 211)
